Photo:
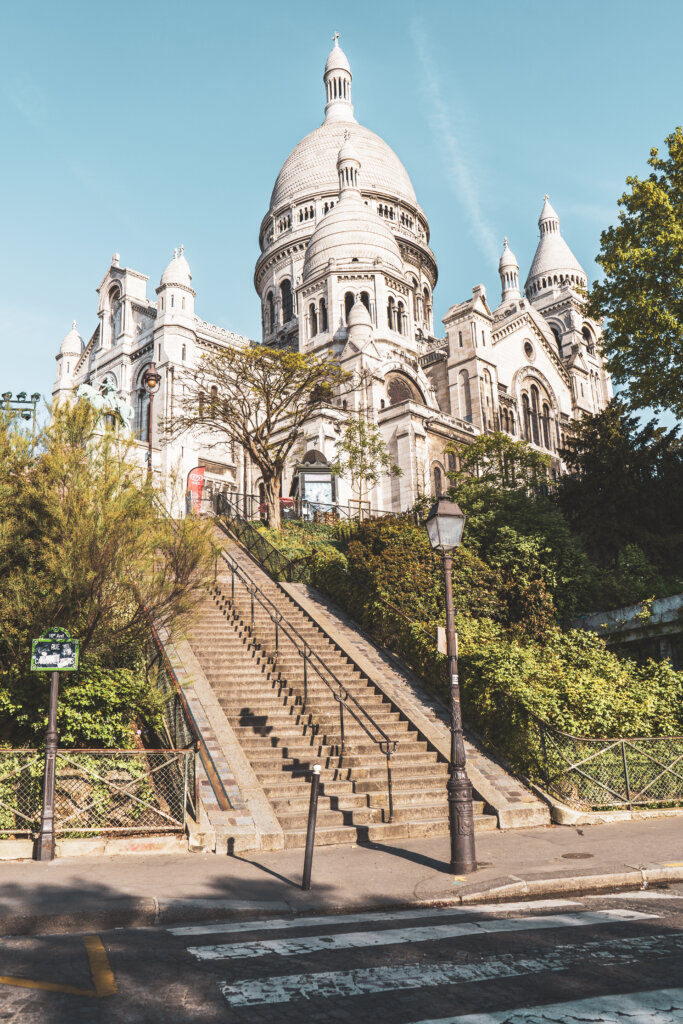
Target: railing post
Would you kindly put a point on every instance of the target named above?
(626, 778)
(305, 681)
(232, 568)
(252, 611)
(341, 723)
(389, 785)
(186, 760)
(310, 832)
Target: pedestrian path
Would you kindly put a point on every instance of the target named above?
(460, 961)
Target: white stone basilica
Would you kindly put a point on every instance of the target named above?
(345, 267)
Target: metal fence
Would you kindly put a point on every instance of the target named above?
(97, 791)
(607, 773)
(21, 781)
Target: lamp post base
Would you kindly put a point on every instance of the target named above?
(461, 821)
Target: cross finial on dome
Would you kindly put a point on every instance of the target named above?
(182, 250)
(505, 243)
(175, 254)
(546, 197)
(335, 39)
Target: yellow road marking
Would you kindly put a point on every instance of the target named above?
(674, 864)
(47, 986)
(100, 969)
(100, 972)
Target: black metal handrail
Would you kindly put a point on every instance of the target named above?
(311, 659)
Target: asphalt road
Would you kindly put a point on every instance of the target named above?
(614, 958)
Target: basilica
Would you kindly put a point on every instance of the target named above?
(345, 268)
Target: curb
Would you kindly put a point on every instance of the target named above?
(150, 911)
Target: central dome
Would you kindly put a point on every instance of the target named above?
(312, 165)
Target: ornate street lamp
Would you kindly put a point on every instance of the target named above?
(445, 525)
(151, 382)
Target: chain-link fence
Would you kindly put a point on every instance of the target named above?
(21, 781)
(602, 773)
(180, 733)
(123, 791)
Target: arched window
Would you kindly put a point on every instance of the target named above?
(526, 417)
(558, 338)
(512, 424)
(438, 481)
(535, 414)
(546, 425)
(323, 315)
(365, 299)
(588, 338)
(115, 311)
(270, 312)
(390, 312)
(286, 300)
(400, 311)
(349, 300)
(427, 309)
(312, 320)
(464, 397)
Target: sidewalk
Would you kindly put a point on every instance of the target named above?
(91, 893)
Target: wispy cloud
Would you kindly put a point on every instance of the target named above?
(459, 165)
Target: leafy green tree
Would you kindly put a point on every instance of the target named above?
(625, 489)
(515, 527)
(259, 398)
(497, 461)
(83, 544)
(362, 454)
(641, 295)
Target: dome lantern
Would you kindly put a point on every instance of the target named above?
(337, 78)
(348, 165)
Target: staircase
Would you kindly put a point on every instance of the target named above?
(284, 712)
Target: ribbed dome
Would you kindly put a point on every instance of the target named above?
(311, 167)
(337, 60)
(72, 344)
(508, 258)
(351, 232)
(178, 270)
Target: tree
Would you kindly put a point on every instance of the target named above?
(497, 461)
(259, 398)
(625, 488)
(82, 544)
(362, 453)
(642, 292)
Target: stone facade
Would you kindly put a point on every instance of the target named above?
(345, 268)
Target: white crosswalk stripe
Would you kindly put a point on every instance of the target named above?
(366, 981)
(393, 936)
(660, 1006)
(325, 920)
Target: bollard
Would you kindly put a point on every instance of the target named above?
(310, 834)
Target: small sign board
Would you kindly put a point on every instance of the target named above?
(56, 651)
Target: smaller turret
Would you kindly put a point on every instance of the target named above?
(176, 295)
(69, 354)
(508, 268)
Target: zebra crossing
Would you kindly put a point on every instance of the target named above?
(459, 961)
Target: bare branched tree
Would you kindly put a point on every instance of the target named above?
(260, 398)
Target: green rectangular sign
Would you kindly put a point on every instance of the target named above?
(56, 651)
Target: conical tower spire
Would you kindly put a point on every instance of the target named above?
(337, 77)
(554, 264)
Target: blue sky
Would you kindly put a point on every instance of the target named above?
(136, 128)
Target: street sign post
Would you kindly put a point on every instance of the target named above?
(54, 652)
